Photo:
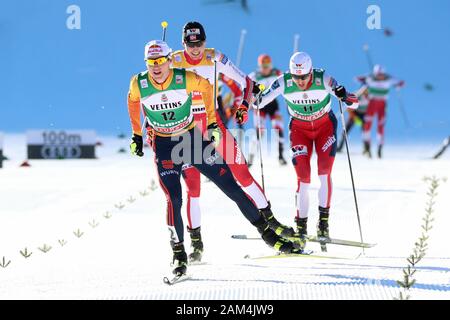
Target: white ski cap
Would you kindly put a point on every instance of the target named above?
(378, 69)
(156, 49)
(300, 64)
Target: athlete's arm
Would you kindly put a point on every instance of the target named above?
(339, 91)
(270, 94)
(134, 106)
(226, 67)
(197, 83)
(235, 89)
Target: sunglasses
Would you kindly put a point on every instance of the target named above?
(157, 61)
(303, 77)
(194, 44)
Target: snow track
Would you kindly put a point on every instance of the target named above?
(126, 255)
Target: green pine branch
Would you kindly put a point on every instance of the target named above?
(421, 245)
(25, 253)
(5, 263)
(45, 248)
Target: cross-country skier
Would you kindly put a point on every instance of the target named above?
(308, 92)
(166, 98)
(356, 116)
(265, 75)
(379, 84)
(199, 59)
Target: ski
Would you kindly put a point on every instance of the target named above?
(176, 279)
(316, 239)
(340, 242)
(445, 145)
(197, 263)
(305, 254)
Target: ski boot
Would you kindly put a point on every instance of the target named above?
(282, 161)
(380, 149)
(196, 244)
(275, 241)
(179, 259)
(277, 227)
(366, 150)
(322, 225)
(322, 228)
(302, 230)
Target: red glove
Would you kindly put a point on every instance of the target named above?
(241, 114)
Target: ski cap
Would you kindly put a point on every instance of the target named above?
(264, 60)
(300, 64)
(378, 69)
(156, 49)
(193, 31)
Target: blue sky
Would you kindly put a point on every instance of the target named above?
(52, 77)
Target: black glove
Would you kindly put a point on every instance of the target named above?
(341, 93)
(256, 90)
(136, 145)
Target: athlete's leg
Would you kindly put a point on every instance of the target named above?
(326, 146)
(381, 123)
(301, 146)
(169, 179)
(192, 179)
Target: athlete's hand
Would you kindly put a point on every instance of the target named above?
(214, 133)
(150, 136)
(136, 145)
(256, 89)
(241, 114)
(341, 93)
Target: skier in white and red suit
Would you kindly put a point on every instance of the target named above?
(307, 93)
(378, 84)
(199, 59)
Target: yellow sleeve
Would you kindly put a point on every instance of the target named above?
(134, 106)
(197, 83)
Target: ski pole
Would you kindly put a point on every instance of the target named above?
(238, 62)
(215, 85)
(164, 25)
(351, 173)
(402, 109)
(369, 57)
(241, 47)
(258, 135)
(296, 40)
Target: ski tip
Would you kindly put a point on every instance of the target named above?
(239, 236)
(164, 24)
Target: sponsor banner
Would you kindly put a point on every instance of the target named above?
(61, 144)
